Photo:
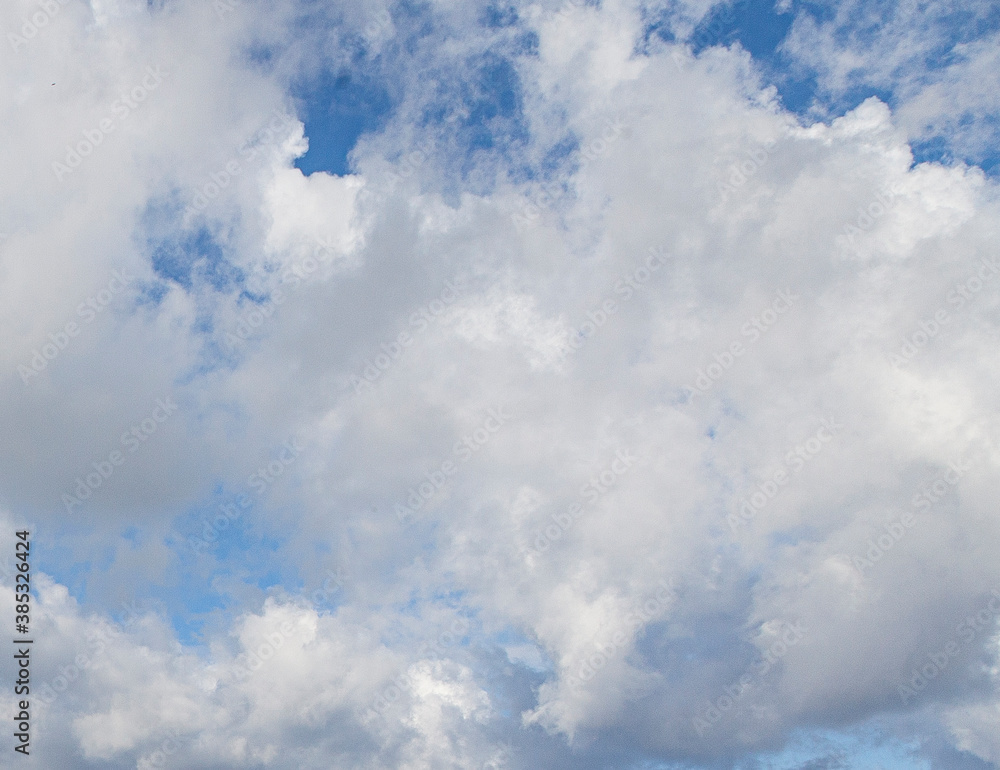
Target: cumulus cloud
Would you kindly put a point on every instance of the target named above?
(605, 413)
(935, 60)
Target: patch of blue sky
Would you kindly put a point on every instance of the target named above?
(133, 534)
(939, 148)
(719, 635)
(151, 292)
(482, 115)
(656, 22)
(760, 28)
(493, 99)
(212, 357)
(57, 560)
(191, 603)
(188, 607)
(182, 256)
(756, 24)
(864, 748)
(522, 652)
(189, 257)
(261, 55)
(222, 527)
(500, 15)
(321, 592)
(336, 109)
(185, 603)
(450, 598)
(416, 606)
(477, 108)
(555, 158)
(672, 656)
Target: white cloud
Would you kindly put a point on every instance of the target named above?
(938, 62)
(530, 617)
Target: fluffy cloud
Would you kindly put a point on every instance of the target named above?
(606, 412)
(937, 62)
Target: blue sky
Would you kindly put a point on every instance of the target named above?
(445, 429)
(337, 107)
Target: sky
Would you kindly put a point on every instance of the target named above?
(591, 384)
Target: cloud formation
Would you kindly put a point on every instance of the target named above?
(687, 400)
